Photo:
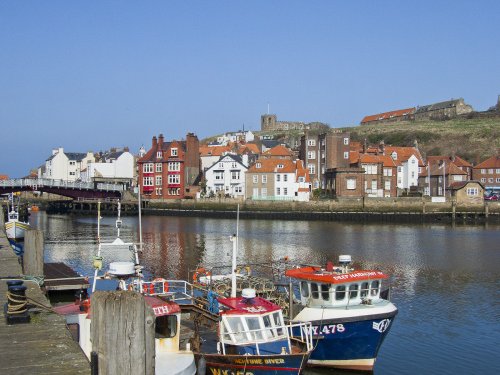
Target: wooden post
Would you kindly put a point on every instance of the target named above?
(123, 333)
(2, 219)
(33, 252)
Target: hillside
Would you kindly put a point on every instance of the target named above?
(474, 139)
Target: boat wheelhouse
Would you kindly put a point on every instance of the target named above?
(349, 312)
(14, 228)
(253, 337)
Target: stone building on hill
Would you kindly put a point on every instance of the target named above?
(407, 114)
(270, 123)
(443, 110)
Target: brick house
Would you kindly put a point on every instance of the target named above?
(349, 182)
(168, 170)
(437, 178)
(458, 161)
(380, 178)
(488, 172)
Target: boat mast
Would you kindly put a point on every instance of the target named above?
(234, 239)
(140, 218)
(98, 243)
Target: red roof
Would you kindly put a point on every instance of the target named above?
(457, 160)
(240, 305)
(404, 153)
(493, 162)
(388, 115)
(320, 275)
(278, 150)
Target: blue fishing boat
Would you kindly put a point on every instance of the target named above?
(350, 316)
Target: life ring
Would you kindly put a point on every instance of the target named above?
(246, 268)
(161, 280)
(200, 272)
(85, 305)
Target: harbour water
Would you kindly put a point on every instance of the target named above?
(445, 280)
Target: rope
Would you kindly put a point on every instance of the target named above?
(16, 305)
(39, 280)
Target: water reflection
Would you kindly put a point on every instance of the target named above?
(445, 279)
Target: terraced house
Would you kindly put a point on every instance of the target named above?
(488, 172)
(277, 179)
(169, 170)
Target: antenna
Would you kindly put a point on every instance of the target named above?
(267, 108)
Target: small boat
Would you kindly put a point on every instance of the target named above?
(169, 358)
(14, 227)
(350, 314)
(253, 339)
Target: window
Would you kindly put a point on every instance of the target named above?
(285, 177)
(325, 292)
(278, 178)
(174, 179)
(280, 166)
(174, 191)
(490, 171)
(413, 161)
(158, 180)
(147, 181)
(351, 184)
(147, 168)
(387, 185)
(174, 166)
(219, 175)
(370, 169)
(394, 155)
(72, 173)
(457, 177)
(258, 165)
(490, 179)
(388, 172)
(340, 292)
(255, 179)
(364, 289)
(412, 174)
(346, 141)
(238, 189)
(72, 163)
(166, 326)
(375, 288)
(278, 191)
(311, 154)
(233, 165)
(498, 179)
(221, 165)
(311, 168)
(483, 179)
(483, 171)
(285, 191)
(400, 169)
(235, 175)
(353, 290)
(497, 170)
(314, 291)
(311, 142)
(158, 167)
(263, 192)
(346, 155)
(472, 192)
(159, 155)
(304, 289)
(264, 179)
(173, 151)
(158, 191)
(374, 185)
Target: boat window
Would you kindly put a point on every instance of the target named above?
(166, 326)
(254, 328)
(270, 332)
(340, 293)
(375, 287)
(304, 289)
(353, 291)
(278, 322)
(364, 289)
(236, 329)
(314, 291)
(325, 292)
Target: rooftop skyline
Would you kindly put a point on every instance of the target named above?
(87, 76)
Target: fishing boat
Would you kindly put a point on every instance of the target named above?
(350, 315)
(14, 227)
(169, 357)
(253, 339)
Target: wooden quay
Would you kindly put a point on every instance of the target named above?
(42, 346)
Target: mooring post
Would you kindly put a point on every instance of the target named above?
(33, 252)
(122, 333)
(2, 219)
(486, 210)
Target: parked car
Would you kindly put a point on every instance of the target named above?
(492, 197)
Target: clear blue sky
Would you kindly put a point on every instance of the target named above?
(90, 75)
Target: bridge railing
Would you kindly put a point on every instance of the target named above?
(34, 183)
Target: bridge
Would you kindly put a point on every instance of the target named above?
(71, 189)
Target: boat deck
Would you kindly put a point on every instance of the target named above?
(43, 346)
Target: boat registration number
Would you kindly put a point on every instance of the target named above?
(327, 329)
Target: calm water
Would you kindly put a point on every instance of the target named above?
(445, 280)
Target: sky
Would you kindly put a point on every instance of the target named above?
(91, 75)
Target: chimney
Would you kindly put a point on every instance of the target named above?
(160, 141)
(452, 158)
(154, 143)
(365, 146)
(382, 147)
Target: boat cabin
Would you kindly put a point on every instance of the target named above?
(13, 216)
(252, 325)
(335, 288)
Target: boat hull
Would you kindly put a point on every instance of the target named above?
(15, 229)
(219, 364)
(349, 342)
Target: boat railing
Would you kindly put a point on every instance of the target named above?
(300, 332)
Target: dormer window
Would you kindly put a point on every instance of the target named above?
(258, 165)
(280, 166)
(159, 154)
(173, 152)
(394, 155)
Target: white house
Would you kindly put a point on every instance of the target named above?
(65, 165)
(117, 165)
(239, 136)
(227, 176)
(409, 165)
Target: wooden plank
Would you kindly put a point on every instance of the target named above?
(33, 252)
(59, 277)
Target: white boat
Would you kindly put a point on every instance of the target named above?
(14, 228)
(350, 316)
(169, 357)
